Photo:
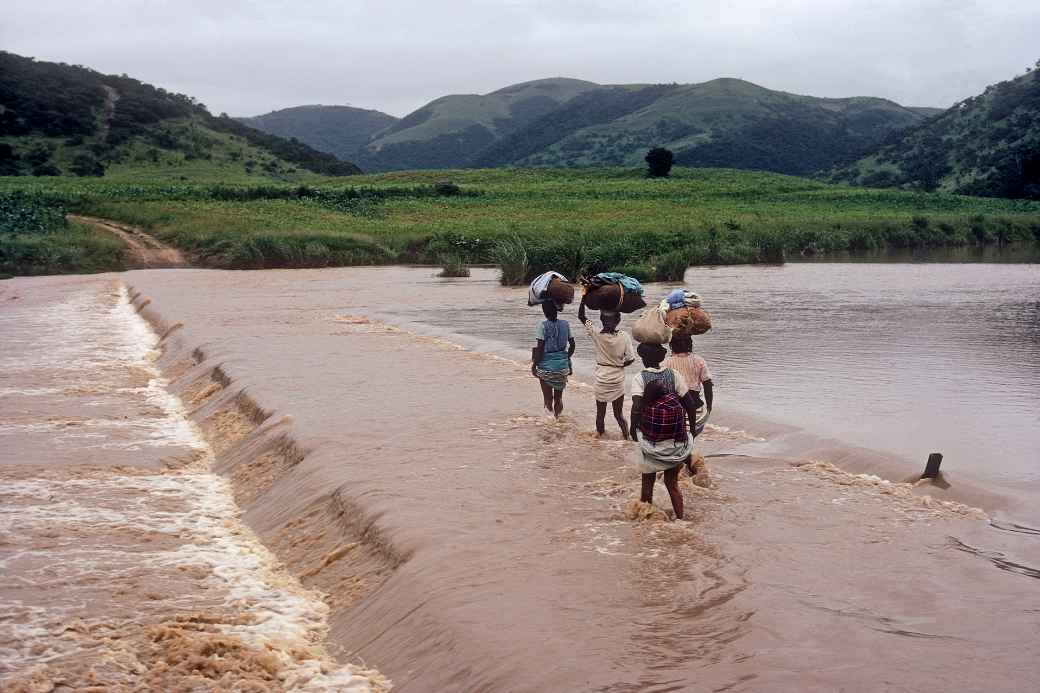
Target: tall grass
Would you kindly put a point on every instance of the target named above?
(511, 257)
(453, 267)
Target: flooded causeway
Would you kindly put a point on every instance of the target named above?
(293, 480)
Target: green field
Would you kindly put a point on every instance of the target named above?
(572, 220)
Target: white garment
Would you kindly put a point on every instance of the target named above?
(613, 351)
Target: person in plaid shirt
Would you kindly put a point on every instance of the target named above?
(662, 403)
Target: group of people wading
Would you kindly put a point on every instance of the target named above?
(666, 393)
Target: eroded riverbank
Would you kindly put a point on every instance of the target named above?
(469, 545)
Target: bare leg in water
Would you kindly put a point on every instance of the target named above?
(601, 416)
(619, 405)
(557, 403)
(671, 482)
(547, 396)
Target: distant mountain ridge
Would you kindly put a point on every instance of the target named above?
(986, 145)
(338, 130)
(568, 122)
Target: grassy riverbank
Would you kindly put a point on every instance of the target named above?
(35, 238)
(569, 219)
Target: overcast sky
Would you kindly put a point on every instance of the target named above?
(248, 58)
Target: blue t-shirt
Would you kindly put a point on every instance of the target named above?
(555, 333)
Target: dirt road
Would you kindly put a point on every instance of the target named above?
(142, 250)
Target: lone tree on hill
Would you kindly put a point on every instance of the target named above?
(658, 162)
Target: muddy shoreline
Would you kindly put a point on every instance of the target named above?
(472, 551)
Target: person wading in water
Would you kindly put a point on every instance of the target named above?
(662, 404)
(613, 353)
(692, 367)
(551, 359)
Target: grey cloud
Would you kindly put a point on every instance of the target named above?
(251, 57)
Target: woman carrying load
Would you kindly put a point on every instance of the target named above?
(662, 403)
(613, 353)
(664, 443)
(551, 358)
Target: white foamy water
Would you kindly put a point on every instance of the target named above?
(100, 562)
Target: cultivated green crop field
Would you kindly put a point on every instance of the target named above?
(572, 220)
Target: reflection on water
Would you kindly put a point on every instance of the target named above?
(903, 358)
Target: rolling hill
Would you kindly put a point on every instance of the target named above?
(568, 122)
(339, 130)
(60, 119)
(986, 145)
(449, 131)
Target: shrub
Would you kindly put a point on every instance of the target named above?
(671, 267)
(445, 188)
(658, 162)
(511, 257)
(453, 267)
(87, 165)
(644, 273)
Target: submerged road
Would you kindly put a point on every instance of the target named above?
(468, 544)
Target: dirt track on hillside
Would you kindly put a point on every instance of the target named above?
(142, 250)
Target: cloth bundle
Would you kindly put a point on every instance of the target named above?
(550, 286)
(613, 291)
(681, 298)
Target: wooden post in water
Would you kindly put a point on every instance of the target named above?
(931, 469)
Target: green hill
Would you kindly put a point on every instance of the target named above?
(723, 123)
(986, 145)
(60, 119)
(339, 130)
(449, 131)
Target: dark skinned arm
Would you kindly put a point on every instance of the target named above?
(581, 311)
(570, 347)
(709, 394)
(536, 355)
(635, 415)
(689, 402)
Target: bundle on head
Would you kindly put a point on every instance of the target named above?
(688, 320)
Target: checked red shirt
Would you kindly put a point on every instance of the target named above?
(664, 419)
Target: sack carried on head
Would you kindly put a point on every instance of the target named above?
(615, 292)
(651, 328)
(688, 321)
(550, 286)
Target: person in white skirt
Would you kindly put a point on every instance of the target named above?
(614, 352)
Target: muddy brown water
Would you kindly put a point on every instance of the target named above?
(465, 543)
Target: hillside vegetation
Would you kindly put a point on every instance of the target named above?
(339, 130)
(568, 122)
(986, 145)
(573, 220)
(58, 119)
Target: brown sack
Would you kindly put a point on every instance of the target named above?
(631, 303)
(650, 328)
(560, 291)
(606, 297)
(688, 321)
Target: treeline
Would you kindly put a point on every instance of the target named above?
(987, 145)
(792, 144)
